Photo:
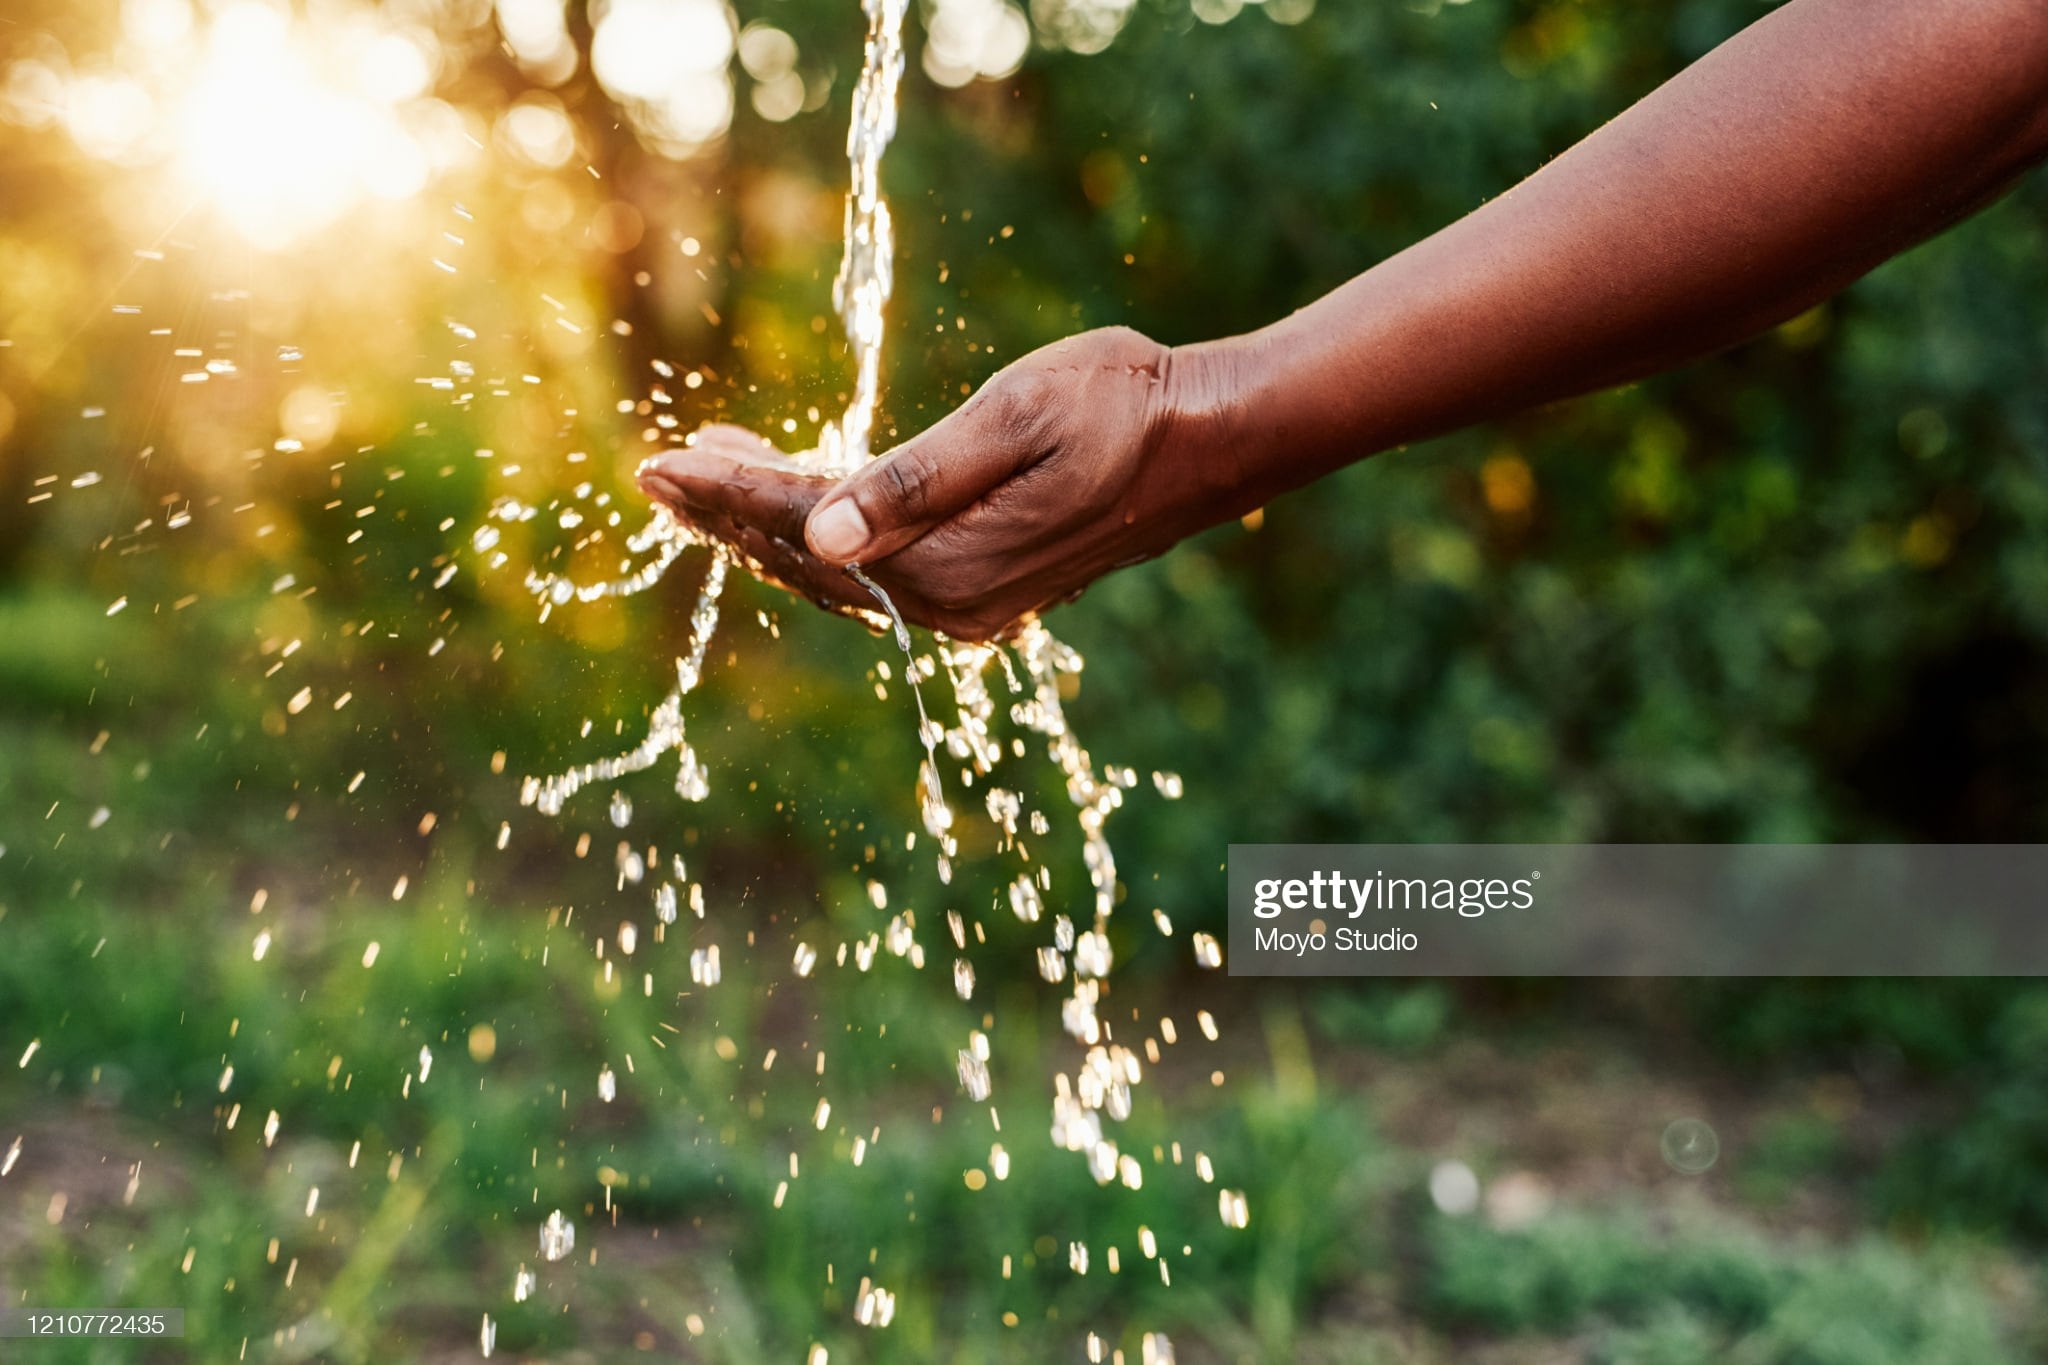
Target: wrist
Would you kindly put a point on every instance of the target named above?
(1222, 449)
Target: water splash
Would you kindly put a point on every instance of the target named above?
(867, 271)
(1033, 666)
(931, 793)
(557, 1237)
(861, 293)
(665, 729)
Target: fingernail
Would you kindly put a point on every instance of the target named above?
(837, 530)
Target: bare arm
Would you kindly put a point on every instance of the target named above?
(1820, 141)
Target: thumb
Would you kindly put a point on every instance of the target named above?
(927, 480)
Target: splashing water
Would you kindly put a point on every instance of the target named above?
(866, 272)
(874, 1306)
(861, 293)
(665, 731)
(557, 1237)
(931, 795)
(1032, 667)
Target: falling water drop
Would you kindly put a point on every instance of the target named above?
(874, 1306)
(557, 1237)
(1231, 1204)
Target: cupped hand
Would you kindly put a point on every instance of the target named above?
(1068, 463)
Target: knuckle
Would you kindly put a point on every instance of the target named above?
(792, 505)
(1020, 402)
(904, 487)
(1125, 346)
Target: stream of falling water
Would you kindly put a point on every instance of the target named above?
(1031, 667)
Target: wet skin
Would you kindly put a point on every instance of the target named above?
(1822, 140)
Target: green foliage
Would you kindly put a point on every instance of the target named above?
(1698, 1292)
(1401, 1016)
(1799, 591)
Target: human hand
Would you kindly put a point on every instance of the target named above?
(1079, 458)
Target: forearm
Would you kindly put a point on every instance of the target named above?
(1814, 145)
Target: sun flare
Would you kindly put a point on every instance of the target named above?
(279, 140)
(277, 121)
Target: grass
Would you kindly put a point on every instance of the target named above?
(129, 956)
(421, 1233)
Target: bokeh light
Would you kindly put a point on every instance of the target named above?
(285, 126)
(1083, 26)
(276, 671)
(537, 31)
(769, 56)
(275, 121)
(665, 62)
(970, 38)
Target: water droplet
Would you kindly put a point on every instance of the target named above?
(875, 1306)
(974, 1078)
(1231, 1204)
(1092, 956)
(1025, 901)
(557, 1237)
(1690, 1146)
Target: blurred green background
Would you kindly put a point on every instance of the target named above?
(267, 355)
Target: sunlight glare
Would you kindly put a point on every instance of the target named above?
(285, 124)
(665, 61)
(107, 116)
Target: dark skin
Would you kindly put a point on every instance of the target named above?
(1819, 142)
